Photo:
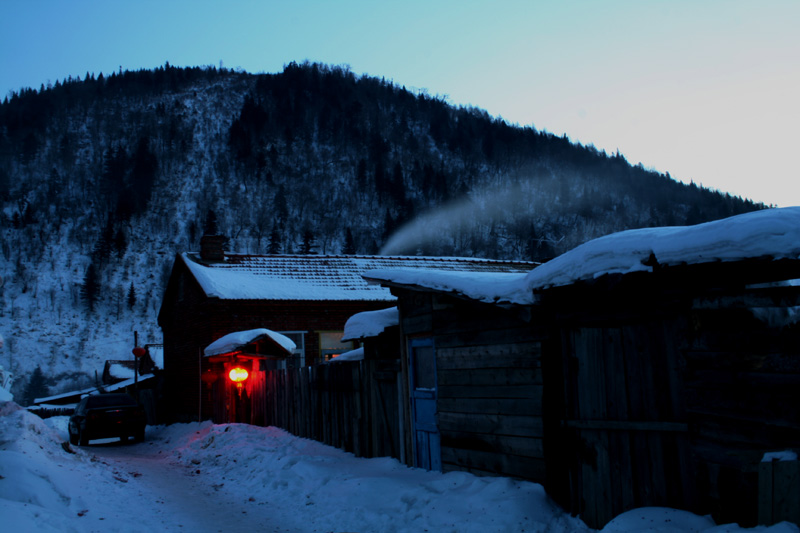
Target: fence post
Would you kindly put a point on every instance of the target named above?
(778, 490)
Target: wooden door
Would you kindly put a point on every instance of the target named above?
(427, 447)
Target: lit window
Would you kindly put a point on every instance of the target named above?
(331, 345)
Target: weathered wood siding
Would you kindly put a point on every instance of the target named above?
(624, 438)
(672, 389)
(349, 405)
(489, 384)
(742, 382)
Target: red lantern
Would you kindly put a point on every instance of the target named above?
(238, 374)
(139, 351)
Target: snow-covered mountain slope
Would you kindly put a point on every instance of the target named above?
(104, 180)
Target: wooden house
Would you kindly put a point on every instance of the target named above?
(307, 298)
(656, 367)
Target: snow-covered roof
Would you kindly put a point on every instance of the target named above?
(238, 339)
(127, 383)
(120, 371)
(93, 390)
(76, 393)
(319, 277)
(370, 323)
(770, 233)
(482, 286)
(766, 234)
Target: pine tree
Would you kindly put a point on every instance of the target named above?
(280, 206)
(102, 249)
(274, 240)
(131, 297)
(309, 242)
(90, 289)
(349, 244)
(36, 387)
(120, 242)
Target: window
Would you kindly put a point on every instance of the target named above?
(297, 359)
(331, 345)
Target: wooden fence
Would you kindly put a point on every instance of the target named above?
(350, 405)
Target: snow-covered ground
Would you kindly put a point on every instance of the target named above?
(205, 477)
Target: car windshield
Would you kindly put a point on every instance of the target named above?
(109, 400)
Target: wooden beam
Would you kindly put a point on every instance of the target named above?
(626, 425)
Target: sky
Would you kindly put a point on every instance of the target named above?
(704, 90)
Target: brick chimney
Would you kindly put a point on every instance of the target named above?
(211, 247)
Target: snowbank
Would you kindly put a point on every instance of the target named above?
(271, 476)
(44, 488)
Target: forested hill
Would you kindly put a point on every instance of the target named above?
(103, 179)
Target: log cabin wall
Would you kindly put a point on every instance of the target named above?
(742, 385)
(184, 334)
(489, 383)
(673, 388)
(622, 440)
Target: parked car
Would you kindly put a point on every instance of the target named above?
(104, 416)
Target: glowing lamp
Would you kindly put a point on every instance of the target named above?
(238, 375)
(139, 351)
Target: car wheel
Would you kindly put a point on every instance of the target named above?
(73, 439)
(139, 437)
(82, 438)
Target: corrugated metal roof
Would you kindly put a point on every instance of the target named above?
(321, 277)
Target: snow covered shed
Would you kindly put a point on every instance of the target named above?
(669, 365)
(307, 298)
(242, 355)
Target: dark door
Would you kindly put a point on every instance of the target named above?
(427, 448)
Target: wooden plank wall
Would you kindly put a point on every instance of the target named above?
(626, 437)
(350, 405)
(490, 409)
(742, 382)
(489, 380)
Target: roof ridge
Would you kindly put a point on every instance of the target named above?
(411, 258)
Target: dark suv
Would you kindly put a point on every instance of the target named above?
(106, 415)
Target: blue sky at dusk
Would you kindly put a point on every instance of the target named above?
(704, 90)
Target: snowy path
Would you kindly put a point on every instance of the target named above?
(180, 497)
(209, 478)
